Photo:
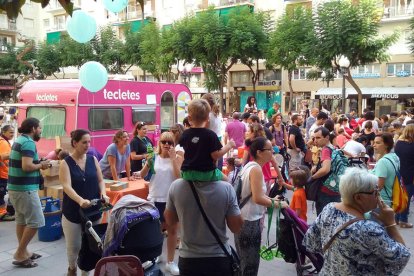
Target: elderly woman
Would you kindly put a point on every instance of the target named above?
(116, 157)
(248, 240)
(364, 246)
(167, 166)
(140, 144)
(404, 148)
(386, 166)
(82, 181)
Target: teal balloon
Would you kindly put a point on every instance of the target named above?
(115, 5)
(81, 26)
(93, 76)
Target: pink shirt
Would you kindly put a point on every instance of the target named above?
(341, 140)
(236, 130)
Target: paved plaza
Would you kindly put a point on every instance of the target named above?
(54, 261)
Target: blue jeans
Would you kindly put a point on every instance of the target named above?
(404, 215)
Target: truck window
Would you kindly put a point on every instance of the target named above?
(143, 115)
(105, 118)
(52, 120)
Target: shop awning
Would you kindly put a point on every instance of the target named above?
(367, 92)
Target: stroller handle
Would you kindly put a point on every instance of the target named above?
(104, 207)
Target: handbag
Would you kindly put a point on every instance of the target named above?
(233, 256)
(312, 186)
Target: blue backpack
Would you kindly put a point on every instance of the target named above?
(339, 163)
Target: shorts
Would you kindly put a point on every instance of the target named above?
(161, 208)
(3, 190)
(28, 210)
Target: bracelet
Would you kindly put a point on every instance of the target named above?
(391, 225)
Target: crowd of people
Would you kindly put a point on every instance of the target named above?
(187, 184)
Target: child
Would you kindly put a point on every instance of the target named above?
(201, 146)
(233, 171)
(298, 203)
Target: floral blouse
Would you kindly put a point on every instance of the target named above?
(363, 248)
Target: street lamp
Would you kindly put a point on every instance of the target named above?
(344, 64)
(185, 71)
(323, 75)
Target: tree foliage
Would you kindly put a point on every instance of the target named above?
(289, 44)
(48, 59)
(345, 28)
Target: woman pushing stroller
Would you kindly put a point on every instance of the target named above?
(82, 181)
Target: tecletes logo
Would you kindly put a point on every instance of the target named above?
(120, 95)
(46, 98)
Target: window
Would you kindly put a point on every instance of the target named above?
(300, 74)
(46, 23)
(60, 22)
(105, 118)
(400, 69)
(143, 115)
(29, 23)
(3, 21)
(51, 119)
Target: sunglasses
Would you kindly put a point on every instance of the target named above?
(167, 142)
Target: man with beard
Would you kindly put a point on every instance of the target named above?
(23, 184)
(297, 147)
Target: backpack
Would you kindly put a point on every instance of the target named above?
(399, 193)
(238, 185)
(339, 163)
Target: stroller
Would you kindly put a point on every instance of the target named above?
(133, 229)
(292, 231)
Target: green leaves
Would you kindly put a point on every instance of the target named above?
(13, 7)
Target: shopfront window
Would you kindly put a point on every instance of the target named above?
(52, 120)
(366, 71)
(105, 118)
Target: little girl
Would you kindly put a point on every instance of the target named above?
(298, 203)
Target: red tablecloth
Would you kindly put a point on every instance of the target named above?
(136, 188)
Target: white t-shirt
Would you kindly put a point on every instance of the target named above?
(374, 125)
(160, 181)
(312, 129)
(354, 148)
(216, 124)
(251, 211)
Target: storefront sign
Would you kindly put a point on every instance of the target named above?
(385, 96)
(330, 97)
(366, 75)
(403, 73)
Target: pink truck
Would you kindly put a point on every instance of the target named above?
(64, 105)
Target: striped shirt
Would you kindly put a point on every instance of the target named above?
(19, 180)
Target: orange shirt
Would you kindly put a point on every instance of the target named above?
(5, 148)
(299, 202)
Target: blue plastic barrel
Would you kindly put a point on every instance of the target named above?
(53, 220)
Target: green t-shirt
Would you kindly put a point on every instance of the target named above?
(19, 180)
(384, 169)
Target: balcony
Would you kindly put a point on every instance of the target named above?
(54, 7)
(233, 2)
(10, 27)
(398, 12)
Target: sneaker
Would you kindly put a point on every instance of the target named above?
(7, 217)
(172, 268)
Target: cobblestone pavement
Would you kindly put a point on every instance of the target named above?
(54, 262)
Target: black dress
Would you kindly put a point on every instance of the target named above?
(139, 146)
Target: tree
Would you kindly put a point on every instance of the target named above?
(73, 53)
(107, 49)
(210, 46)
(48, 59)
(343, 27)
(149, 48)
(410, 39)
(288, 44)
(248, 39)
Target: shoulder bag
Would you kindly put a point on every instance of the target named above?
(345, 225)
(234, 258)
